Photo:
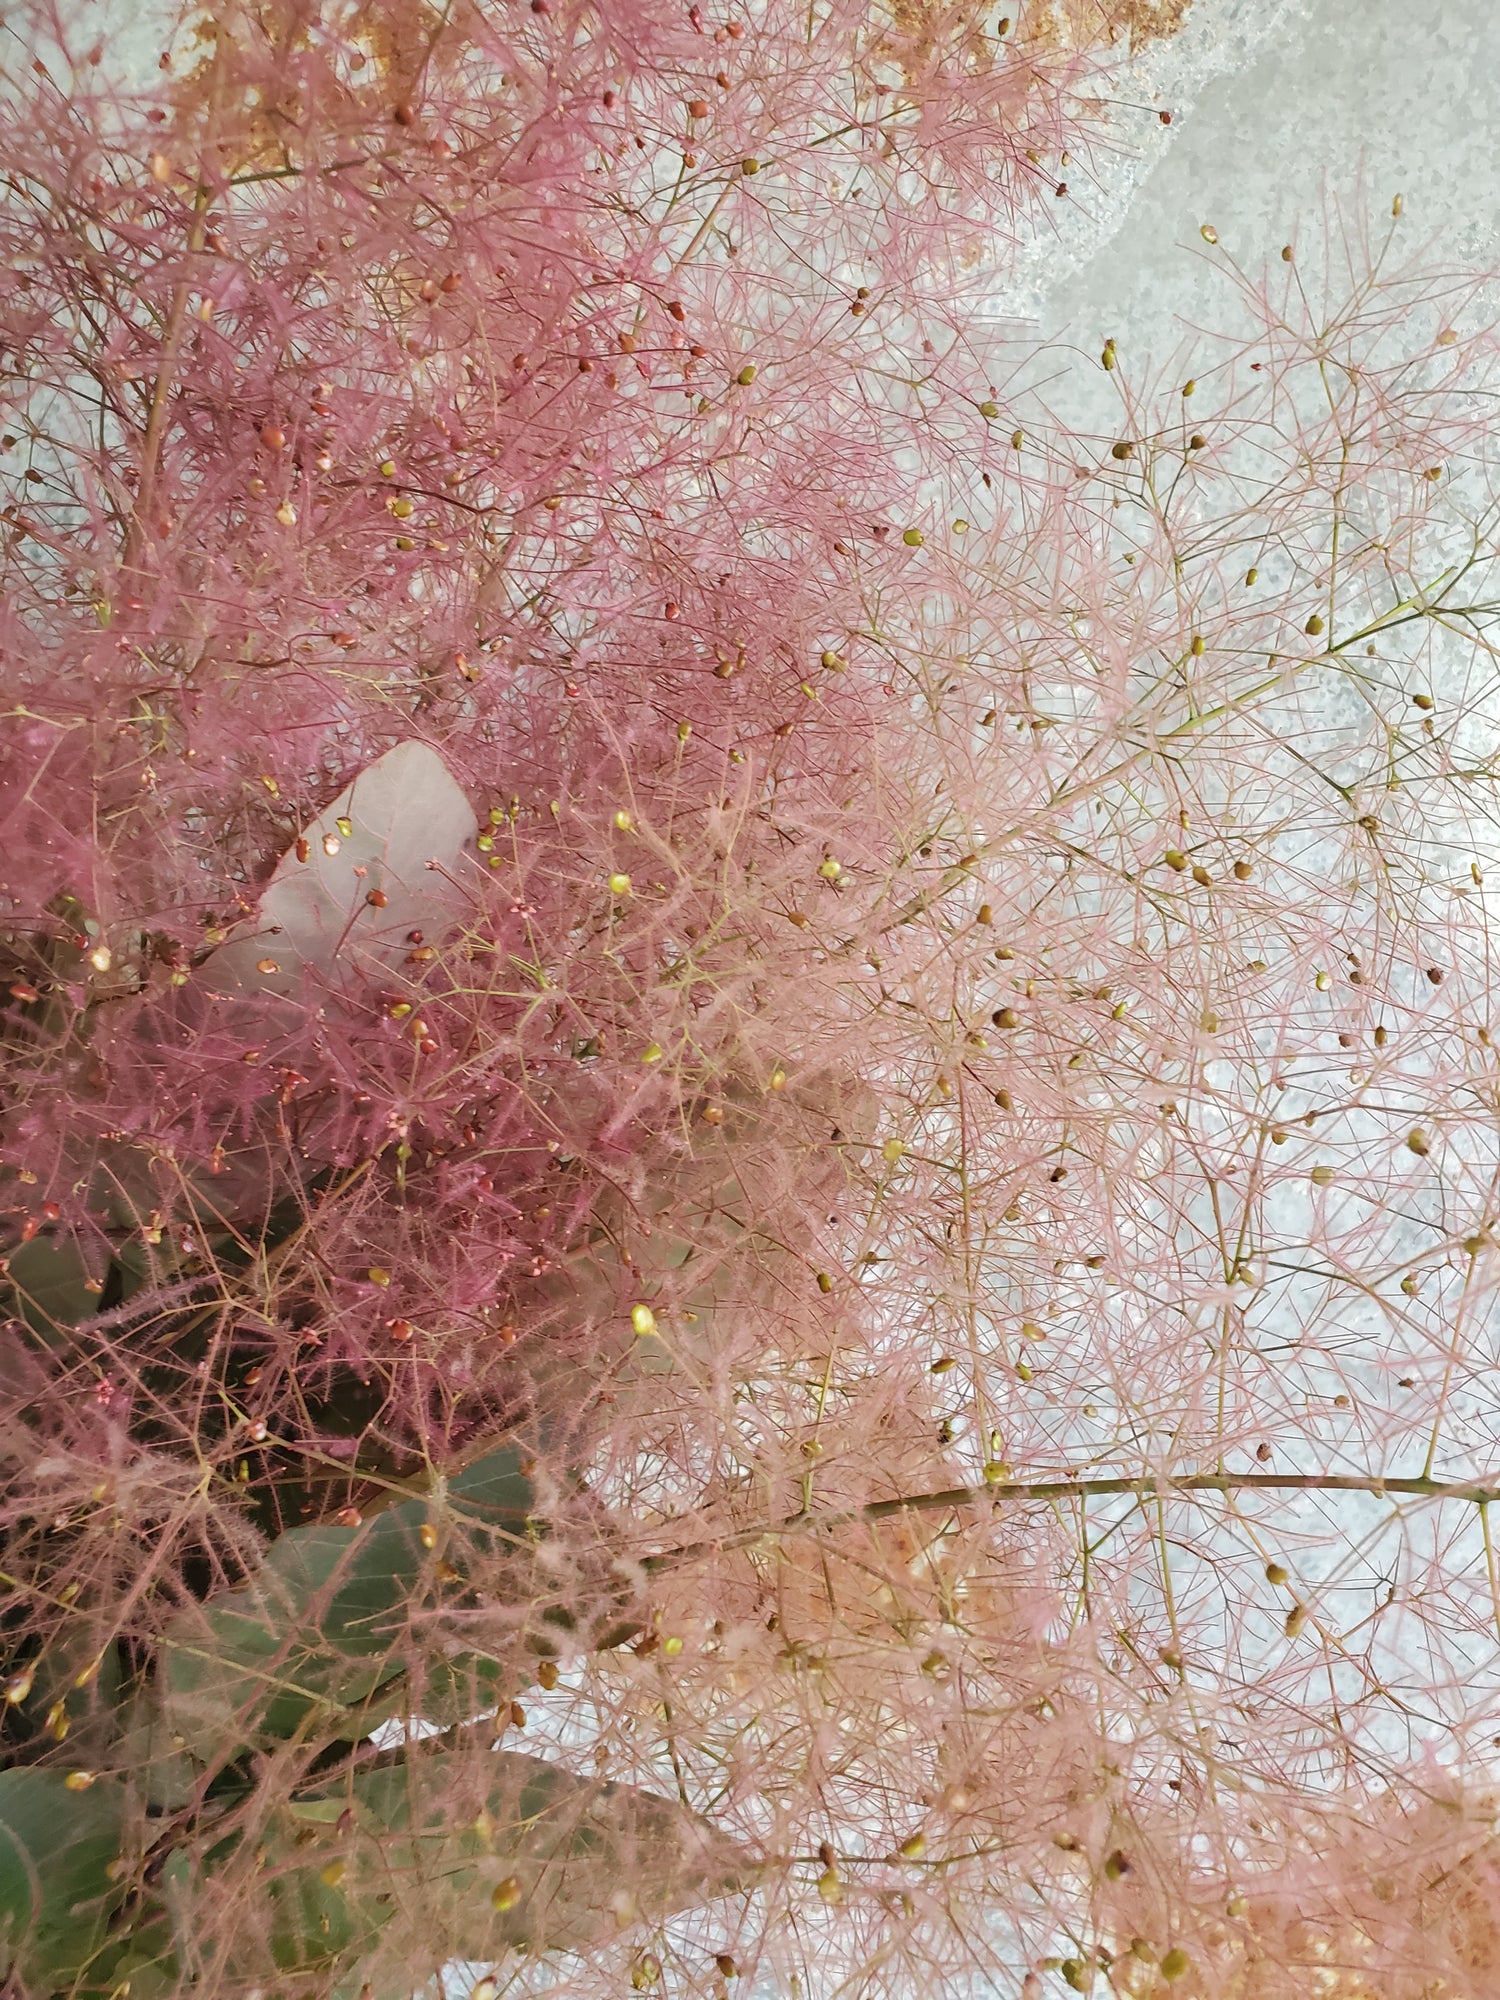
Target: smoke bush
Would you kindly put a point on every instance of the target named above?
(749, 1147)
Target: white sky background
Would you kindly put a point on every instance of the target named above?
(1272, 104)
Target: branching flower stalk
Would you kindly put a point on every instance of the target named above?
(749, 1124)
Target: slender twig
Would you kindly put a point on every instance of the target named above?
(156, 422)
(952, 1498)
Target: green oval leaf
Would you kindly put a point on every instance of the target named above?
(56, 1888)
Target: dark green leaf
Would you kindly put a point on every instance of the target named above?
(304, 1646)
(366, 1874)
(144, 1753)
(48, 1280)
(56, 1888)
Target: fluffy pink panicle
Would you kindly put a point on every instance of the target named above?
(705, 1023)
